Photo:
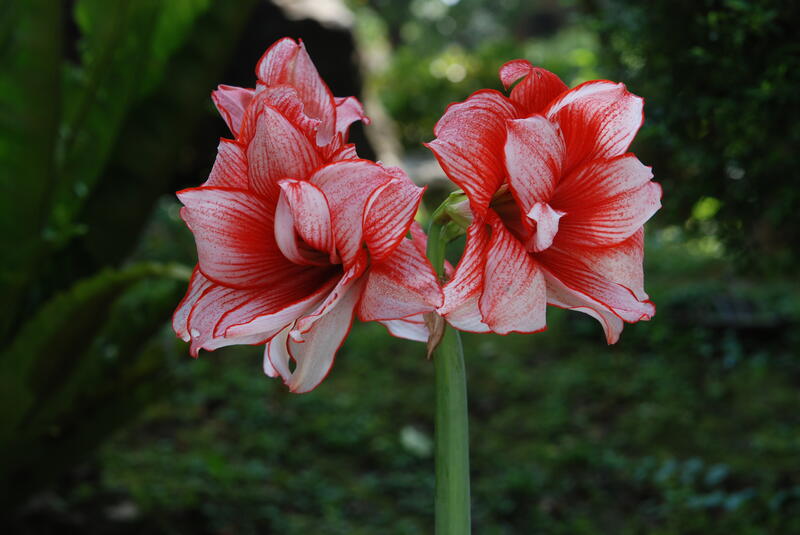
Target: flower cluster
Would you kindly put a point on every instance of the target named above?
(296, 235)
(558, 203)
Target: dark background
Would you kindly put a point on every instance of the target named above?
(690, 424)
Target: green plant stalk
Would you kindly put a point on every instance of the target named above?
(452, 500)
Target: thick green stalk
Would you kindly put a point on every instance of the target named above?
(452, 433)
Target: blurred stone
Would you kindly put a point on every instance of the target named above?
(123, 512)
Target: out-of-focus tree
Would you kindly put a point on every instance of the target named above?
(723, 113)
(443, 50)
(91, 93)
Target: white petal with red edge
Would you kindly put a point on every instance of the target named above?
(469, 144)
(197, 285)
(233, 230)
(284, 303)
(230, 167)
(461, 293)
(412, 328)
(226, 316)
(402, 285)
(598, 119)
(600, 180)
(621, 263)
(286, 100)
(389, 213)
(269, 370)
(310, 215)
(537, 88)
(534, 151)
(347, 185)
(514, 298)
(577, 275)
(209, 309)
(563, 297)
(348, 152)
(278, 150)
(347, 281)
(232, 103)
(276, 353)
(546, 219)
(314, 356)
(611, 222)
(348, 111)
(287, 63)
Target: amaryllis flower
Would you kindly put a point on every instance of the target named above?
(558, 203)
(295, 235)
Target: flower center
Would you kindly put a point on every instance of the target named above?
(536, 229)
(546, 219)
(304, 237)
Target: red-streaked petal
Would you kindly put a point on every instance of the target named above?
(230, 167)
(269, 370)
(232, 103)
(412, 328)
(598, 119)
(278, 150)
(514, 298)
(537, 88)
(389, 213)
(348, 152)
(208, 310)
(197, 285)
(609, 223)
(285, 298)
(287, 101)
(402, 285)
(621, 263)
(287, 63)
(348, 111)
(348, 280)
(310, 215)
(347, 185)
(561, 296)
(462, 292)
(224, 316)
(600, 180)
(277, 353)
(288, 241)
(577, 275)
(469, 144)
(314, 356)
(534, 151)
(233, 230)
(275, 319)
(546, 218)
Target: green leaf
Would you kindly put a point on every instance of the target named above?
(124, 49)
(30, 53)
(82, 367)
(51, 343)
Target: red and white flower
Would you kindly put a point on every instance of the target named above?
(558, 203)
(295, 234)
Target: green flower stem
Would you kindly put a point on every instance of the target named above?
(452, 434)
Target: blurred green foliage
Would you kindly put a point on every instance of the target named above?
(720, 78)
(77, 360)
(443, 51)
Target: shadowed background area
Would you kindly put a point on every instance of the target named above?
(690, 424)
